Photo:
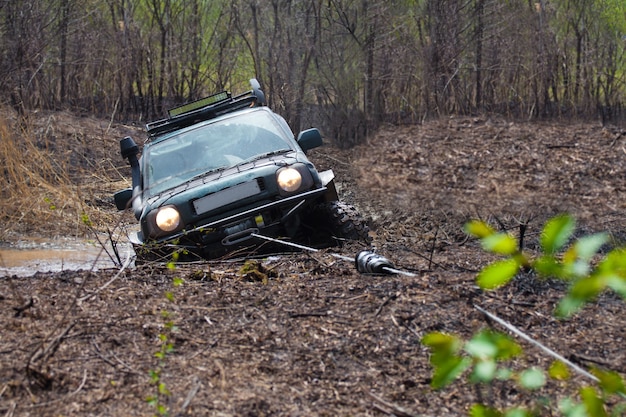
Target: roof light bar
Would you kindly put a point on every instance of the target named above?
(198, 104)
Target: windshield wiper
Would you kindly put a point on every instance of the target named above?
(265, 155)
(254, 158)
(205, 173)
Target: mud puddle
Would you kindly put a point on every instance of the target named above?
(27, 257)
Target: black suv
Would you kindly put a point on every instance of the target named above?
(219, 171)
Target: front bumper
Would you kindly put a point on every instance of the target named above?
(234, 232)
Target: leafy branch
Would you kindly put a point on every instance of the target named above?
(573, 263)
(485, 354)
(166, 347)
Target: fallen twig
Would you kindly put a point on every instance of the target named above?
(71, 394)
(432, 249)
(539, 345)
(388, 408)
(192, 393)
(47, 352)
(385, 301)
(310, 314)
(109, 282)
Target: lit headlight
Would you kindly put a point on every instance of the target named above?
(167, 219)
(289, 179)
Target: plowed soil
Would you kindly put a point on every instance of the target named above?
(306, 334)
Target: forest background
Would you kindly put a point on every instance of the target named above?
(346, 66)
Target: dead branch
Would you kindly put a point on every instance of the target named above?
(389, 408)
(539, 345)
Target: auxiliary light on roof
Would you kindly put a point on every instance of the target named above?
(198, 104)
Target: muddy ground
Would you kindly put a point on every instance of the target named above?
(307, 335)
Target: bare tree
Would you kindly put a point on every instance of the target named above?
(343, 65)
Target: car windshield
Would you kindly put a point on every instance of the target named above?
(210, 147)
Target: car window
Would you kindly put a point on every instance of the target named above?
(208, 147)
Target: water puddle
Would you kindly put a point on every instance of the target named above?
(25, 258)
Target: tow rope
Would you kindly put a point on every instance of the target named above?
(366, 262)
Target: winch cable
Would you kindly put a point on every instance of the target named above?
(365, 261)
(370, 262)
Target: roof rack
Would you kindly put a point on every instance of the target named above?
(205, 109)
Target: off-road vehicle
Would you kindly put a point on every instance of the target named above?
(222, 169)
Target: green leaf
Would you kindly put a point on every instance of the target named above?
(559, 371)
(154, 376)
(447, 372)
(617, 284)
(177, 281)
(548, 266)
(568, 306)
(517, 412)
(556, 233)
(503, 374)
(481, 346)
(490, 344)
(576, 259)
(610, 381)
(480, 410)
(586, 247)
(478, 228)
(51, 204)
(569, 408)
(588, 288)
(85, 219)
(162, 388)
(576, 269)
(448, 365)
(500, 243)
(593, 403)
(532, 378)
(443, 346)
(507, 347)
(497, 274)
(614, 262)
(484, 371)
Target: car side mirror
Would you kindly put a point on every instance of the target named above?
(122, 198)
(309, 139)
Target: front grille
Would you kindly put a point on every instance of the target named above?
(226, 197)
(261, 183)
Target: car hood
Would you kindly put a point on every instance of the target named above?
(216, 181)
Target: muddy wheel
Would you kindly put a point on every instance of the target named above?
(340, 221)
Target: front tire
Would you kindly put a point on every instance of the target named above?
(335, 222)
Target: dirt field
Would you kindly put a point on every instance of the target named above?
(307, 335)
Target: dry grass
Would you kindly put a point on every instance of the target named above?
(59, 175)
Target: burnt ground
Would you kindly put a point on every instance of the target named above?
(306, 334)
